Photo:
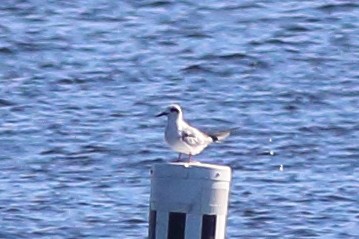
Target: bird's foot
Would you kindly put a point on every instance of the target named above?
(190, 158)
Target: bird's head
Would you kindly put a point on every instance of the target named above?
(172, 111)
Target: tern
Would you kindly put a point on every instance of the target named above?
(182, 137)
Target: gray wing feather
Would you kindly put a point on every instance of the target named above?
(193, 137)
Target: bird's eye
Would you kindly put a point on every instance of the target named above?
(173, 109)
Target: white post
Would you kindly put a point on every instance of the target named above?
(189, 201)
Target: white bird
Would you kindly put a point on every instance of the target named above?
(182, 137)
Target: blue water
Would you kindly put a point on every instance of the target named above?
(80, 82)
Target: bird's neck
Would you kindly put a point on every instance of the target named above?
(175, 122)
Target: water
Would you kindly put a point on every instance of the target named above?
(81, 80)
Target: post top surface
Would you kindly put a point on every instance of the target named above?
(194, 170)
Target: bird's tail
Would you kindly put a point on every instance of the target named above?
(219, 136)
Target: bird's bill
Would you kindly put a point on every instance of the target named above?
(161, 114)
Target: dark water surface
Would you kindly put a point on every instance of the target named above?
(80, 82)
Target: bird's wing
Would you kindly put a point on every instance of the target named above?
(193, 137)
(219, 135)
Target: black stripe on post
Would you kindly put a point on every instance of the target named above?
(208, 226)
(152, 228)
(176, 225)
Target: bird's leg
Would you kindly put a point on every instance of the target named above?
(179, 157)
(190, 158)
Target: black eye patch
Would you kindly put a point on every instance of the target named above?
(173, 109)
